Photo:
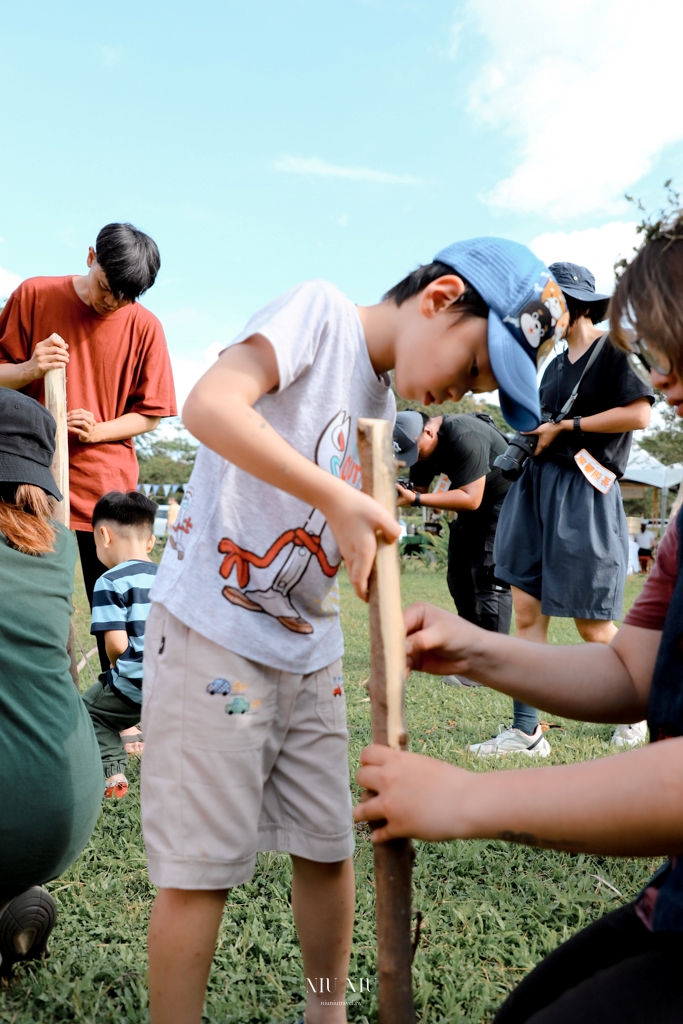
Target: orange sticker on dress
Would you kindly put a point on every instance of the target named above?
(596, 475)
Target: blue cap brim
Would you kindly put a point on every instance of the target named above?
(516, 376)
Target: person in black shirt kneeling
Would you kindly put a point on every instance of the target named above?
(460, 450)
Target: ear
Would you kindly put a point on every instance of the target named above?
(150, 543)
(441, 294)
(105, 535)
(92, 256)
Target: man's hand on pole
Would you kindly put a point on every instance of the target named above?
(50, 354)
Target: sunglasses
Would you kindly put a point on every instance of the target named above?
(642, 360)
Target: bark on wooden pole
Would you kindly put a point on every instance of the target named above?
(394, 859)
(55, 401)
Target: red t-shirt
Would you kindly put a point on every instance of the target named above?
(649, 612)
(118, 363)
(650, 607)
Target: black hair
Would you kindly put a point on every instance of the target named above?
(595, 311)
(131, 509)
(425, 418)
(129, 258)
(469, 304)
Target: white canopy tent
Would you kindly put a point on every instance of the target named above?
(643, 468)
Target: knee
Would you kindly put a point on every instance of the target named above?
(527, 611)
(595, 631)
(304, 867)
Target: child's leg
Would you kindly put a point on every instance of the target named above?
(109, 715)
(182, 938)
(323, 899)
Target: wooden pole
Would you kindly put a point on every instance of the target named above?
(393, 859)
(55, 402)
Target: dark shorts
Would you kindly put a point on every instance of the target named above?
(563, 542)
(613, 972)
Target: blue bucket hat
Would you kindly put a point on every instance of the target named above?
(527, 311)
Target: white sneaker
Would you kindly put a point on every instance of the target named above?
(629, 735)
(513, 741)
(459, 681)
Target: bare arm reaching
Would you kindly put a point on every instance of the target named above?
(588, 682)
(625, 805)
(82, 423)
(219, 412)
(49, 354)
(458, 499)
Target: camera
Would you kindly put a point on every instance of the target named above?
(511, 462)
(404, 481)
(521, 446)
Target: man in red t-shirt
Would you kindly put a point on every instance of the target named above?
(118, 373)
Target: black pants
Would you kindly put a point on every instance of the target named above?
(478, 595)
(613, 972)
(92, 570)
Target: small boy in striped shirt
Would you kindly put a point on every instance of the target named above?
(123, 525)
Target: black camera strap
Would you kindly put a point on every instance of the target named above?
(599, 345)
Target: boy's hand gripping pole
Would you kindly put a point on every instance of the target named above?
(55, 402)
(393, 859)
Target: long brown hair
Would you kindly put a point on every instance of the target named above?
(25, 519)
(649, 295)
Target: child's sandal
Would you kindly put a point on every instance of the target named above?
(117, 789)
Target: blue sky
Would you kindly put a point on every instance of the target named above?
(268, 142)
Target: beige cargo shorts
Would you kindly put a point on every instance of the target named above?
(239, 758)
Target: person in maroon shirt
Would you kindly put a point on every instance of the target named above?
(624, 967)
(118, 373)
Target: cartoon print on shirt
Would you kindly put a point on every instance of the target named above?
(335, 452)
(182, 525)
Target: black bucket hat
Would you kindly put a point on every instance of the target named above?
(577, 282)
(27, 442)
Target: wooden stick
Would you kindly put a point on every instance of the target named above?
(55, 402)
(393, 859)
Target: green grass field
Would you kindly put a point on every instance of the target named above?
(491, 910)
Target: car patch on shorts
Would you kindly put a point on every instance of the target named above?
(338, 686)
(238, 704)
(222, 686)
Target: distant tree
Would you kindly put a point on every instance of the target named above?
(166, 458)
(665, 443)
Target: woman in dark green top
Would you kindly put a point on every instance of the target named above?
(50, 770)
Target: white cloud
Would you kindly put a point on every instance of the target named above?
(590, 92)
(595, 248)
(8, 282)
(321, 169)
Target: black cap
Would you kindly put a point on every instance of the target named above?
(409, 426)
(27, 442)
(577, 282)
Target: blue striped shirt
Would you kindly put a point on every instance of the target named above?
(121, 601)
